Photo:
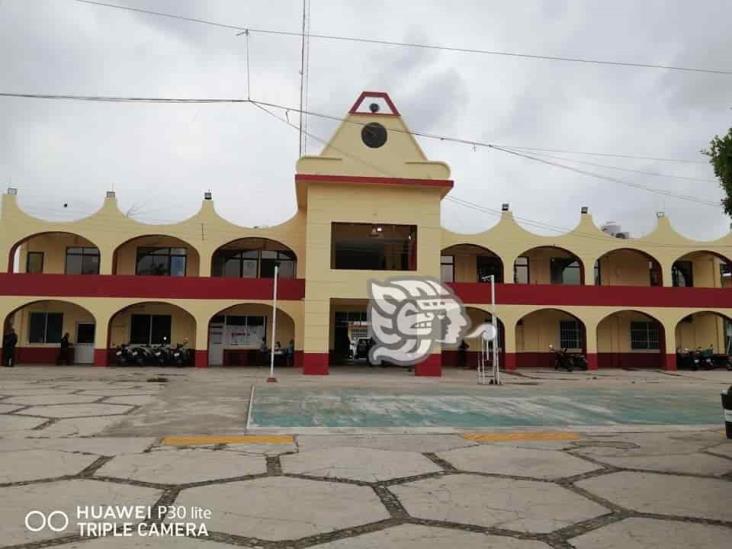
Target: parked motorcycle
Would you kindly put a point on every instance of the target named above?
(565, 360)
(122, 355)
(180, 356)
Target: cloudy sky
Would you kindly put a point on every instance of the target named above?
(161, 158)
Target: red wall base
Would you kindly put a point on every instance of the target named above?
(101, 357)
(630, 360)
(510, 361)
(200, 358)
(315, 364)
(670, 362)
(430, 367)
(592, 361)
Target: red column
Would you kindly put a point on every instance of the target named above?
(670, 362)
(510, 361)
(315, 364)
(592, 363)
(101, 357)
(298, 359)
(200, 358)
(430, 367)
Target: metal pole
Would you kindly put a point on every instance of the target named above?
(272, 378)
(494, 321)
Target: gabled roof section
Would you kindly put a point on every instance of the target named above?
(350, 157)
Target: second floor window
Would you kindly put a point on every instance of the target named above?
(489, 266)
(682, 274)
(82, 261)
(565, 270)
(161, 261)
(447, 268)
(34, 262)
(254, 263)
(521, 270)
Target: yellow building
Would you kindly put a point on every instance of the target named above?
(368, 208)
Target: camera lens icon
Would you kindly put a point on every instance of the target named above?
(56, 521)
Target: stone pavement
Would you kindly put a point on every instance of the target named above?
(74, 436)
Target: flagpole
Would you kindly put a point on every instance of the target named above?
(272, 378)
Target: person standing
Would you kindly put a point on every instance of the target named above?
(64, 354)
(463, 354)
(10, 340)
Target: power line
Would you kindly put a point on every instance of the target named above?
(261, 104)
(453, 49)
(463, 141)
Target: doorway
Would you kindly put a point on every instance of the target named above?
(84, 346)
(216, 342)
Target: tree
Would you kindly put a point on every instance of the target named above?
(720, 157)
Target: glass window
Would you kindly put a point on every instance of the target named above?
(654, 271)
(161, 261)
(644, 335)
(447, 268)
(565, 270)
(569, 334)
(682, 274)
(521, 270)
(82, 260)
(488, 266)
(150, 329)
(45, 327)
(85, 333)
(377, 247)
(254, 263)
(598, 273)
(34, 262)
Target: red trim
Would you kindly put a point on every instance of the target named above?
(360, 180)
(510, 361)
(631, 360)
(670, 363)
(592, 361)
(36, 355)
(101, 357)
(618, 296)
(430, 367)
(315, 364)
(200, 358)
(58, 285)
(298, 359)
(382, 95)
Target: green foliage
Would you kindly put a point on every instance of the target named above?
(720, 157)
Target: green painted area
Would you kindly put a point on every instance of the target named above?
(482, 407)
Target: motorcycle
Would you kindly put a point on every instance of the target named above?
(122, 355)
(142, 355)
(180, 355)
(568, 361)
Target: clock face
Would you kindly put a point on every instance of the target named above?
(373, 135)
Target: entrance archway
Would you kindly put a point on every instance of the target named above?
(39, 327)
(451, 356)
(241, 335)
(630, 339)
(538, 330)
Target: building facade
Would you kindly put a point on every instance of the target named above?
(368, 208)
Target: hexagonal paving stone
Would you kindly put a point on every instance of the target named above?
(695, 464)
(365, 464)
(35, 464)
(277, 508)
(62, 495)
(78, 427)
(182, 466)
(5, 408)
(641, 533)
(521, 505)
(724, 449)
(19, 423)
(76, 410)
(665, 494)
(135, 400)
(522, 462)
(412, 536)
(35, 400)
